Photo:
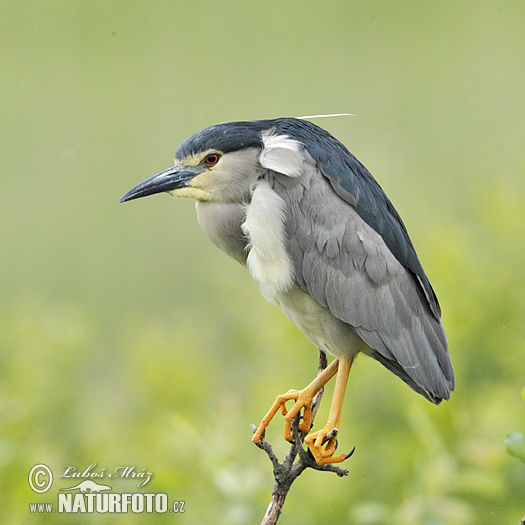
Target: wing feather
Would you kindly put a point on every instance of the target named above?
(355, 185)
(347, 267)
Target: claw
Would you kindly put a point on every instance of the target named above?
(323, 443)
(350, 453)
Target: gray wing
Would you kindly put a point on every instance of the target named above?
(346, 266)
(355, 185)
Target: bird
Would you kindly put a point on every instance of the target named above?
(288, 201)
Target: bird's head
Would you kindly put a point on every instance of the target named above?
(217, 164)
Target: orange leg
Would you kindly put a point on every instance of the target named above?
(303, 399)
(315, 440)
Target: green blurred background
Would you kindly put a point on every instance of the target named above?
(128, 339)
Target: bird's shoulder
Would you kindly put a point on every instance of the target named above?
(354, 184)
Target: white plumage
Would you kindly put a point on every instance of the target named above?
(268, 259)
(281, 154)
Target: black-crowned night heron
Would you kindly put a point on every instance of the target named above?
(292, 204)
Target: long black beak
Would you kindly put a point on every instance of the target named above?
(171, 179)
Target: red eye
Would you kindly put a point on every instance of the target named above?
(212, 159)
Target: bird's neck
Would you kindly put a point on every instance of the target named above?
(222, 222)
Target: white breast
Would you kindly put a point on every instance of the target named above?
(270, 264)
(268, 259)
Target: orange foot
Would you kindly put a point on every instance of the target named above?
(303, 400)
(316, 443)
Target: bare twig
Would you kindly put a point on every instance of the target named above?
(286, 473)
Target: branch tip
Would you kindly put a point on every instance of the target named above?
(286, 473)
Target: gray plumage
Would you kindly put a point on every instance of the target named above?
(346, 267)
(316, 230)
